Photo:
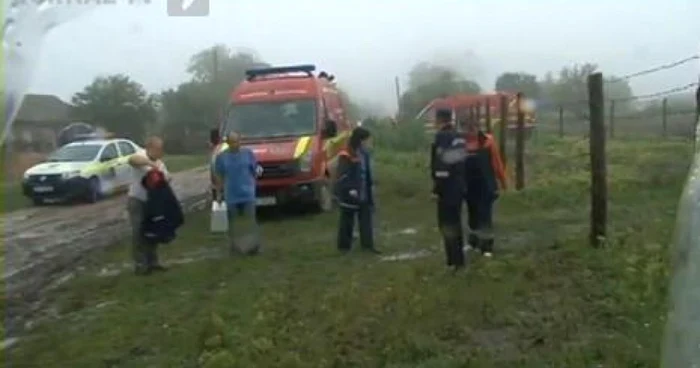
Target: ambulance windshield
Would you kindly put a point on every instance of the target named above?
(272, 119)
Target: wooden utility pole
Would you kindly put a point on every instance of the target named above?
(489, 125)
(520, 145)
(561, 121)
(599, 186)
(697, 114)
(215, 64)
(398, 97)
(664, 117)
(502, 129)
(611, 119)
(697, 101)
(478, 114)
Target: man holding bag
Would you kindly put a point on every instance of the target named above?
(235, 173)
(145, 255)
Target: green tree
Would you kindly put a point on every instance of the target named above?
(222, 69)
(188, 111)
(198, 105)
(429, 81)
(220, 63)
(353, 110)
(519, 82)
(117, 103)
(570, 89)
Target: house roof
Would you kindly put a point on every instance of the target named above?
(44, 109)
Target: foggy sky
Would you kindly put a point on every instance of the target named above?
(367, 43)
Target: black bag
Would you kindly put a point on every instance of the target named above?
(162, 213)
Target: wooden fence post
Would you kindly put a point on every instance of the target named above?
(599, 189)
(664, 117)
(697, 117)
(502, 129)
(478, 114)
(561, 121)
(489, 125)
(611, 119)
(520, 145)
(472, 113)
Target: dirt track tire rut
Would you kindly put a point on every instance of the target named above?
(44, 244)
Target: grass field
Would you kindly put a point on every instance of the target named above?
(546, 299)
(13, 199)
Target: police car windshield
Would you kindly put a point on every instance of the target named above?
(272, 119)
(79, 153)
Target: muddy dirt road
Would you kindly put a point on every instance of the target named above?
(43, 245)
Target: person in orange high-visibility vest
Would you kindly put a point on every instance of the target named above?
(485, 177)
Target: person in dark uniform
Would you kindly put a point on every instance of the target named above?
(353, 189)
(485, 176)
(447, 171)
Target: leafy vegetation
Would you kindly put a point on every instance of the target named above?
(545, 300)
(118, 104)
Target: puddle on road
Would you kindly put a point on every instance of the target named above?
(28, 235)
(408, 231)
(406, 256)
(115, 270)
(6, 343)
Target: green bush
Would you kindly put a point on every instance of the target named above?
(408, 136)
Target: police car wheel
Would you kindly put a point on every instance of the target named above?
(93, 194)
(38, 201)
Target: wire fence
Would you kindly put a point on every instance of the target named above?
(667, 117)
(671, 113)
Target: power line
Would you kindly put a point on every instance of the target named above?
(671, 91)
(663, 93)
(654, 70)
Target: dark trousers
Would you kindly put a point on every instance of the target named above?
(145, 255)
(480, 212)
(449, 216)
(346, 225)
(243, 230)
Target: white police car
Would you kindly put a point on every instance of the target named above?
(85, 170)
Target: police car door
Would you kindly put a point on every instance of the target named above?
(108, 168)
(123, 170)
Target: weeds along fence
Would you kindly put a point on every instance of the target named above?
(671, 119)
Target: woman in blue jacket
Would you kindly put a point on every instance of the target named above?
(353, 188)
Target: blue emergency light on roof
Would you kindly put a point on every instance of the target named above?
(305, 68)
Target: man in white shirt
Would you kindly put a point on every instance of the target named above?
(145, 255)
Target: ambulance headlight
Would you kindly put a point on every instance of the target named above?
(306, 162)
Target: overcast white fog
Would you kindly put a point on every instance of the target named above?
(367, 43)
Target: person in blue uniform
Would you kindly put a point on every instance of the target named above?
(236, 171)
(353, 189)
(447, 171)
